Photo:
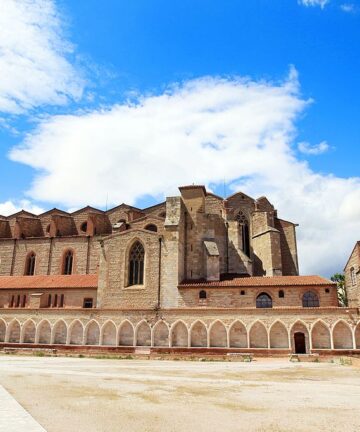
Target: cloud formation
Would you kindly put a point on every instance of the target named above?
(307, 3)
(34, 58)
(317, 149)
(10, 207)
(348, 7)
(202, 131)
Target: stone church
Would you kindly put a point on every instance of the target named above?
(197, 273)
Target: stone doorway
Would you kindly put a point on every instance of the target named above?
(300, 345)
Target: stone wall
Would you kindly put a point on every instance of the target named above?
(324, 329)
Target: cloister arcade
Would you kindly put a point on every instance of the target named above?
(297, 336)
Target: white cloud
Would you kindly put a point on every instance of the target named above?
(348, 7)
(10, 207)
(202, 131)
(317, 149)
(307, 3)
(34, 58)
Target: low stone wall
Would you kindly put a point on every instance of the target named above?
(275, 329)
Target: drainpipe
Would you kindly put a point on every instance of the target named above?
(13, 258)
(88, 255)
(159, 282)
(227, 246)
(185, 245)
(50, 255)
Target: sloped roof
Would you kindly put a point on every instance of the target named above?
(261, 281)
(44, 281)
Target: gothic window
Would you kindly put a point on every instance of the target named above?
(310, 299)
(30, 264)
(68, 262)
(245, 232)
(151, 227)
(136, 264)
(263, 300)
(353, 277)
(202, 295)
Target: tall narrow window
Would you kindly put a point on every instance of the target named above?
(245, 232)
(68, 262)
(23, 303)
(136, 264)
(30, 264)
(55, 300)
(352, 275)
(18, 301)
(62, 300)
(49, 301)
(12, 301)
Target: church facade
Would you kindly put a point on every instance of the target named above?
(196, 271)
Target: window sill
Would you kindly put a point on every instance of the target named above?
(134, 288)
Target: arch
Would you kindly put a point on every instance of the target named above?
(161, 334)
(43, 332)
(198, 334)
(218, 334)
(263, 300)
(151, 227)
(310, 299)
(258, 335)
(2, 330)
(92, 333)
(179, 334)
(59, 333)
(136, 264)
(279, 336)
(342, 335)
(143, 334)
(68, 262)
(30, 262)
(108, 333)
(202, 295)
(14, 331)
(238, 335)
(357, 336)
(298, 328)
(320, 336)
(76, 333)
(28, 332)
(126, 334)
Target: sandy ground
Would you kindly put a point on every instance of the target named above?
(73, 394)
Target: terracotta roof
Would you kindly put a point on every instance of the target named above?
(42, 281)
(259, 281)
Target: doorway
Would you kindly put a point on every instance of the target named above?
(300, 345)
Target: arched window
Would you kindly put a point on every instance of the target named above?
(136, 264)
(263, 300)
(353, 276)
(68, 262)
(151, 227)
(30, 264)
(245, 232)
(202, 294)
(310, 299)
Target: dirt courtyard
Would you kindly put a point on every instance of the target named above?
(96, 395)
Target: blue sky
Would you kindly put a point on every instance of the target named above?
(117, 69)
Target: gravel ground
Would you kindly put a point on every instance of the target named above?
(96, 395)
